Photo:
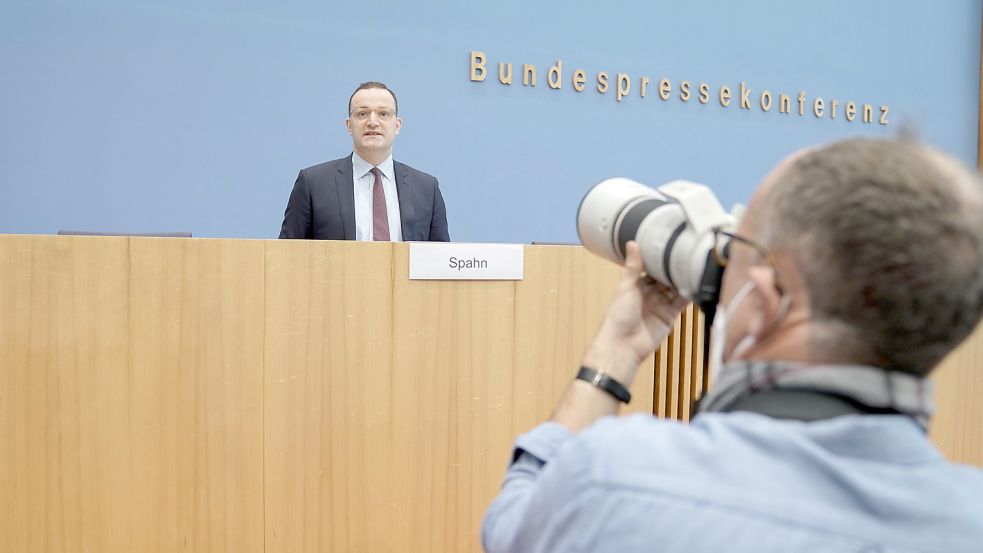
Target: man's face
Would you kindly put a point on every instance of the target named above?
(372, 121)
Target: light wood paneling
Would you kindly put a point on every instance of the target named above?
(195, 392)
(130, 395)
(454, 346)
(957, 427)
(205, 395)
(64, 469)
(393, 404)
(330, 464)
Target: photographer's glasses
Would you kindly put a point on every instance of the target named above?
(721, 252)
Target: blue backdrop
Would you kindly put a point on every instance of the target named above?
(153, 116)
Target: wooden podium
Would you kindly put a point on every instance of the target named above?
(163, 394)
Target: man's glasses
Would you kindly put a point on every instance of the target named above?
(722, 241)
(381, 115)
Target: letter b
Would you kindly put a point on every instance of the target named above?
(478, 72)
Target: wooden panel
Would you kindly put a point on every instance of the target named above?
(195, 392)
(130, 397)
(392, 404)
(199, 395)
(958, 424)
(330, 468)
(64, 470)
(455, 344)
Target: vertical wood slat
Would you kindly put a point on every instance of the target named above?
(700, 373)
(678, 367)
(661, 380)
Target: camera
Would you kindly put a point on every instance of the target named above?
(676, 226)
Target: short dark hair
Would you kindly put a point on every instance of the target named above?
(889, 238)
(372, 84)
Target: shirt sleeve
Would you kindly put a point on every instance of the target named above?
(536, 489)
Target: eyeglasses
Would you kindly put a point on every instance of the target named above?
(721, 252)
(381, 115)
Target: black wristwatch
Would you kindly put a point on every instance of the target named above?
(605, 382)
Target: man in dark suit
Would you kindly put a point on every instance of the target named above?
(367, 195)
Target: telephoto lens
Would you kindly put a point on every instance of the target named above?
(677, 226)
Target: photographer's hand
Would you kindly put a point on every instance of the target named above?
(639, 317)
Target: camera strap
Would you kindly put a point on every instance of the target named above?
(816, 392)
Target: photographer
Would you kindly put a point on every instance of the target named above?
(856, 268)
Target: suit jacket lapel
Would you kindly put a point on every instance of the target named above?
(403, 192)
(345, 184)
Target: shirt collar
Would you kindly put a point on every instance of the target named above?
(360, 167)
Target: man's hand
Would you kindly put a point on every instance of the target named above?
(639, 317)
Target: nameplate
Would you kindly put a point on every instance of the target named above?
(460, 261)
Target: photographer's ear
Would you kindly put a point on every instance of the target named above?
(768, 298)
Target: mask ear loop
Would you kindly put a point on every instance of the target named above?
(784, 305)
(770, 330)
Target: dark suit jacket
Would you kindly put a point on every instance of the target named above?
(322, 204)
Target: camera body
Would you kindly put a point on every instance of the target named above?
(675, 226)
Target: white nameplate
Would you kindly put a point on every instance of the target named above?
(461, 261)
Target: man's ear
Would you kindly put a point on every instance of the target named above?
(399, 123)
(767, 296)
(348, 124)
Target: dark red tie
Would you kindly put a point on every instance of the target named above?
(380, 215)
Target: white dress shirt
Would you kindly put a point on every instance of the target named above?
(364, 181)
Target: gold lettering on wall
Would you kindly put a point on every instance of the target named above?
(745, 97)
(624, 86)
(579, 78)
(553, 77)
(784, 103)
(477, 66)
(665, 89)
(726, 93)
(528, 75)
(503, 77)
(765, 100)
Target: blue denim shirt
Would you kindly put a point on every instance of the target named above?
(735, 482)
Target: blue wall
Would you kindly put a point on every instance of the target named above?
(151, 116)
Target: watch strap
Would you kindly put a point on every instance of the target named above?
(605, 382)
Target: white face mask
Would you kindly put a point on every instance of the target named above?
(718, 333)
